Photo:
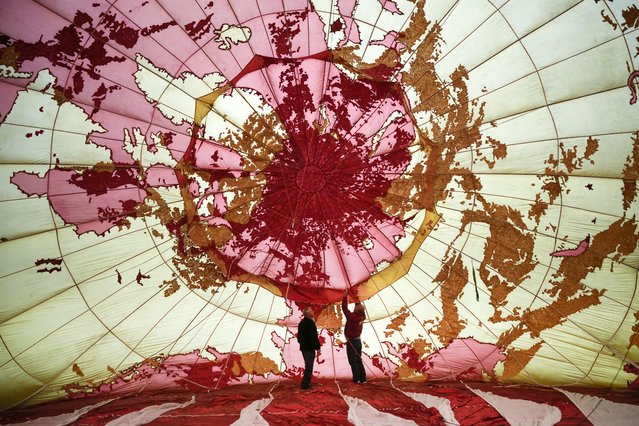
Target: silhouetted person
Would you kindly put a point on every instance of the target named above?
(353, 331)
(309, 343)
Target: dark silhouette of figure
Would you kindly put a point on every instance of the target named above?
(353, 331)
(309, 343)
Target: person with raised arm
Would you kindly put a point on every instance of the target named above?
(353, 332)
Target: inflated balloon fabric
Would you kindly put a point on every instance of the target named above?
(180, 179)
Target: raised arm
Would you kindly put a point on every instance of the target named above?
(345, 305)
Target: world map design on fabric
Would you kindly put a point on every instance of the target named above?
(261, 157)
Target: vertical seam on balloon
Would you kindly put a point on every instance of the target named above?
(325, 75)
(266, 324)
(374, 27)
(237, 335)
(134, 349)
(19, 365)
(625, 357)
(632, 64)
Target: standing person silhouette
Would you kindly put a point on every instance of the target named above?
(353, 331)
(309, 343)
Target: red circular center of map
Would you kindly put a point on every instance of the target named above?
(310, 179)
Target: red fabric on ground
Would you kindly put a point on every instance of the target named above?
(383, 397)
(319, 405)
(111, 411)
(219, 407)
(51, 409)
(623, 396)
(570, 414)
(469, 408)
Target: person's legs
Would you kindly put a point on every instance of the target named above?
(351, 353)
(309, 361)
(359, 365)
